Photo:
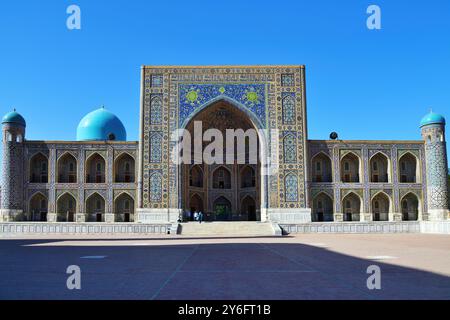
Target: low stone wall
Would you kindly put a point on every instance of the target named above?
(11, 228)
(439, 227)
(353, 227)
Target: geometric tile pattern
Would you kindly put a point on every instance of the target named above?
(193, 96)
(288, 108)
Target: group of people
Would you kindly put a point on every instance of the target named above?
(196, 216)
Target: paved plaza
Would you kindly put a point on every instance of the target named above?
(307, 266)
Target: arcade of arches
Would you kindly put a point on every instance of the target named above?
(224, 192)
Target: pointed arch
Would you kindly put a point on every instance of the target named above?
(222, 208)
(409, 168)
(248, 208)
(38, 207)
(95, 168)
(196, 203)
(66, 206)
(124, 168)
(351, 168)
(248, 177)
(379, 168)
(196, 176)
(381, 205)
(67, 168)
(410, 207)
(124, 207)
(221, 178)
(38, 168)
(322, 207)
(321, 167)
(351, 205)
(95, 207)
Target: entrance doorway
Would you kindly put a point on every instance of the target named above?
(229, 188)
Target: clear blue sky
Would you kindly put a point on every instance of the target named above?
(363, 84)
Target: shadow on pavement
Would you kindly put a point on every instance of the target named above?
(234, 271)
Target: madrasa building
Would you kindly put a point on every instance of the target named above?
(101, 178)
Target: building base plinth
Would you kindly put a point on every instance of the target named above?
(80, 217)
(296, 215)
(437, 214)
(52, 217)
(109, 218)
(10, 215)
(158, 215)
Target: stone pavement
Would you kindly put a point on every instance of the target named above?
(310, 266)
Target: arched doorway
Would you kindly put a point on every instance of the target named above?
(248, 209)
(67, 169)
(379, 168)
(408, 169)
(234, 171)
(39, 168)
(322, 208)
(95, 169)
(350, 168)
(380, 207)
(221, 209)
(124, 208)
(410, 207)
(65, 207)
(196, 177)
(95, 207)
(321, 168)
(124, 169)
(195, 205)
(352, 207)
(38, 207)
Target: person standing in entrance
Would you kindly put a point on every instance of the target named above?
(195, 215)
(200, 217)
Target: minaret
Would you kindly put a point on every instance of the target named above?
(13, 125)
(433, 133)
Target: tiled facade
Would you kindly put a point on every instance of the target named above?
(314, 181)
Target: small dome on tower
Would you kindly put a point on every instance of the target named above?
(14, 117)
(432, 118)
(101, 125)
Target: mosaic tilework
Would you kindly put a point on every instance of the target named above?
(156, 112)
(290, 148)
(193, 96)
(155, 147)
(185, 90)
(288, 106)
(287, 80)
(291, 186)
(155, 187)
(437, 175)
(157, 80)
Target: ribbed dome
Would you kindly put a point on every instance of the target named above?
(432, 118)
(14, 118)
(101, 125)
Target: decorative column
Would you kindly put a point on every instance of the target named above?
(13, 125)
(433, 132)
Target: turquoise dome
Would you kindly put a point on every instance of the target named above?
(432, 118)
(101, 125)
(15, 118)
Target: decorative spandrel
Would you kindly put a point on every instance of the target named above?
(194, 96)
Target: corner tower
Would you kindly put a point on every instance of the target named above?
(433, 132)
(13, 130)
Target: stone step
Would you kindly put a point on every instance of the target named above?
(235, 228)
